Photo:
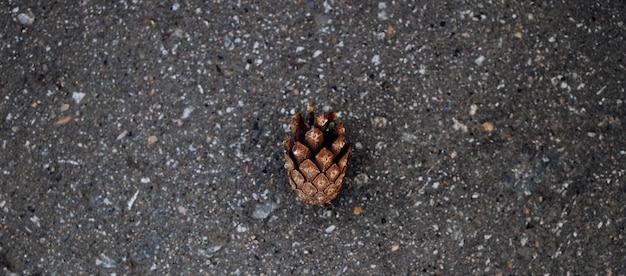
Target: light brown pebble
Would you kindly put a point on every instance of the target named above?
(152, 139)
(357, 210)
(64, 121)
(182, 210)
(487, 126)
(390, 30)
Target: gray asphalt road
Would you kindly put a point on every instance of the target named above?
(145, 138)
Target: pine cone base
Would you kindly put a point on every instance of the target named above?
(317, 157)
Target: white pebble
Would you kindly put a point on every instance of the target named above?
(187, 111)
(130, 202)
(262, 211)
(122, 135)
(26, 18)
(330, 229)
(241, 228)
(78, 96)
(473, 109)
(376, 60)
(479, 60)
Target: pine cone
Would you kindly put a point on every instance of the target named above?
(316, 162)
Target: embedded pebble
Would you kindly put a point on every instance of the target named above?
(376, 60)
(209, 252)
(479, 60)
(379, 122)
(330, 229)
(262, 211)
(26, 18)
(358, 145)
(152, 139)
(78, 96)
(473, 109)
(187, 111)
(105, 261)
(122, 135)
(131, 201)
(382, 14)
(361, 179)
(64, 120)
(458, 125)
(182, 210)
(487, 126)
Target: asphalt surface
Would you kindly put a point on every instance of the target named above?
(144, 138)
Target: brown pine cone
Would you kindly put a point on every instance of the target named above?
(316, 162)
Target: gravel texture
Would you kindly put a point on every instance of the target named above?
(144, 137)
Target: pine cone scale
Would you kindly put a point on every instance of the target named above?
(324, 159)
(301, 152)
(297, 178)
(309, 169)
(333, 172)
(321, 182)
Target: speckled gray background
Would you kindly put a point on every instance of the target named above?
(143, 137)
